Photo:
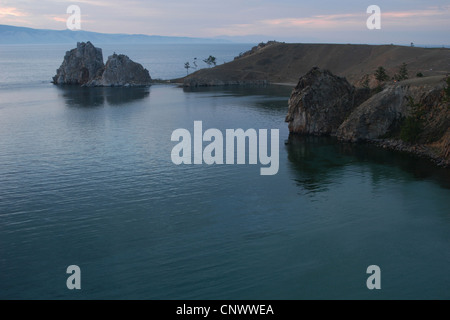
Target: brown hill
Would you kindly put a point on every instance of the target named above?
(285, 63)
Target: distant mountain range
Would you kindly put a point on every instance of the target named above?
(22, 35)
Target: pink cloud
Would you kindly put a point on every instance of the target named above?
(11, 11)
(59, 19)
(429, 12)
(319, 21)
(339, 20)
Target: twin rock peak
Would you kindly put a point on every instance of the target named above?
(84, 66)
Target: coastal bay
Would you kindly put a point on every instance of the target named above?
(87, 179)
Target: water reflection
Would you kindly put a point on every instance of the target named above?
(313, 160)
(96, 97)
(319, 161)
(269, 99)
(243, 91)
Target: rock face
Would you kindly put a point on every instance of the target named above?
(382, 114)
(80, 65)
(122, 71)
(376, 116)
(323, 104)
(84, 66)
(320, 103)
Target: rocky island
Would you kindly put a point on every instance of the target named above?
(83, 66)
(411, 115)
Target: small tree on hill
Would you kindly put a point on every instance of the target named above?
(187, 66)
(402, 73)
(381, 75)
(211, 60)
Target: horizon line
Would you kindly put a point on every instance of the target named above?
(229, 38)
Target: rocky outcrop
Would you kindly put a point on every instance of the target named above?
(320, 103)
(323, 104)
(80, 65)
(444, 145)
(383, 114)
(84, 66)
(376, 116)
(121, 71)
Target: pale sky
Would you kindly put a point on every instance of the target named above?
(331, 21)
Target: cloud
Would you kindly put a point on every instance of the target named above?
(11, 11)
(289, 19)
(318, 21)
(428, 12)
(59, 19)
(427, 16)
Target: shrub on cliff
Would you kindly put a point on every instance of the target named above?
(366, 82)
(447, 91)
(412, 126)
(411, 129)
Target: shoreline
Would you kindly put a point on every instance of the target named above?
(421, 151)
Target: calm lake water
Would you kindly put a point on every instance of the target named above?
(86, 179)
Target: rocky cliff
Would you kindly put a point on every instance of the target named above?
(80, 65)
(122, 71)
(412, 115)
(84, 66)
(319, 103)
(382, 114)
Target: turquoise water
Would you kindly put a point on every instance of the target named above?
(87, 180)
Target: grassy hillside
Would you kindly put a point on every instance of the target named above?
(285, 63)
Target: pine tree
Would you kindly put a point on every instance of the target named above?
(381, 75)
(402, 73)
